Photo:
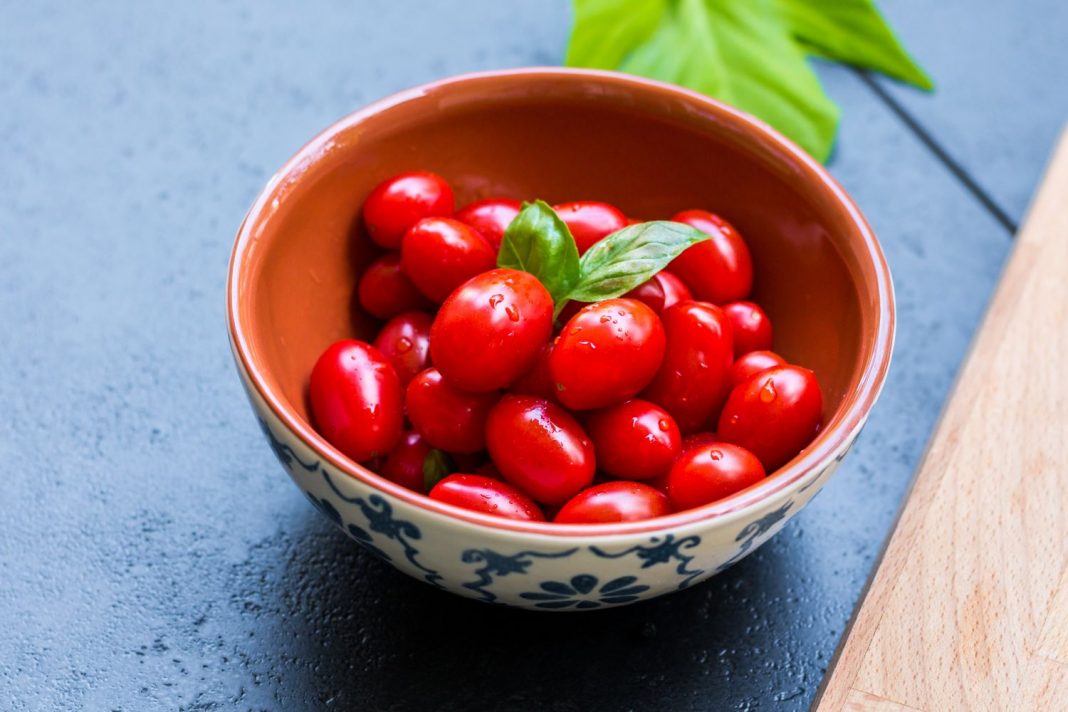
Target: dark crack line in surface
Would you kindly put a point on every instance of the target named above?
(928, 140)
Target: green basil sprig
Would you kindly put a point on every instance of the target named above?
(436, 467)
(539, 242)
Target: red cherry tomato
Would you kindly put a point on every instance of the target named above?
(490, 331)
(753, 363)
(440, 254)
(774, 414)
(589, 221)
(491, 217)
(540, 448)
(538, 381)
(606, 353)
(385, 291)
(483, 494)
(405, 342)
(711, 472)
(356, 400)
(403, 200)
(635, 440)
(697, 440)
(614, 502)
(447, 417)
(694, 380)
(404, 463)
(750, 326)
(660, 292)
(719, 270)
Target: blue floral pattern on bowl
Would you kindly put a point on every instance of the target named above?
(582, 591)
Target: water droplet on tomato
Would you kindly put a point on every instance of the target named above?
(588, 344)
(664, 425)
(734, 419)
(512, 312)
(715, 454)
(605, 319)
(767, 393)
(404, 345)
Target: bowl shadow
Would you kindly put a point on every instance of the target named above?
(349, 630)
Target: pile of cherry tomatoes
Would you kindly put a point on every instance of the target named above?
(661, 400)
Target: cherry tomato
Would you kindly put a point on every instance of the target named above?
(750, 326)
(694, 380)
(540, 448)
(483, 494)
(719, 270)
(440, 254)
(589, 221)
(385, 291)
(405, 342)
(404, 463)
(697, 440)
(753, 363)
(538, 381)
(635, 440)
(491, 217)
(606, 353)
(774, 414)
(356, 400)
(711, 472)
(614, 502)
(490, 331)
(661, 291)
(403, 200)
(447, 417)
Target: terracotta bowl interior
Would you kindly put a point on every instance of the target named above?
(648, 149)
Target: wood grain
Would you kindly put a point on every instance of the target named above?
(968, 608)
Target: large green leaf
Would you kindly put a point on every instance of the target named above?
(852, 31)
(748, 53)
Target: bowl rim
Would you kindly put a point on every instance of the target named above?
(828, 443)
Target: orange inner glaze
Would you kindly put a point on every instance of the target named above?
(650, 149)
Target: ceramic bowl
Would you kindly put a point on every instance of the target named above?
(556, 134)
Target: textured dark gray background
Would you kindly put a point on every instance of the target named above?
(152, 553)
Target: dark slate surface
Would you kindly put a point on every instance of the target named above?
(152, 553)
(1002, 72)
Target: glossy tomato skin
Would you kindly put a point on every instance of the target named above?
(404, 463)
(405, 342)
(403, 200)
(635, 440)
(606, 353)
(709, 473)
(753, 363)
(590, 221)
(356, 400)
(661, 291)
(491, 217)
(774, 414)
(538, 381)
(484, 494)
(718, 270)
(385, 291)
(614, 502)
(490, 331)
(540, 448)
(448, 418)
(694, 379)
(440, 254)
(750, 326)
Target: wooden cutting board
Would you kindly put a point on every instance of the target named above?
(968, 608)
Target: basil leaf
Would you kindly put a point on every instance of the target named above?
(436, 467)
(538, 241)
(854, 32)
(748, 53)
(628, 257)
